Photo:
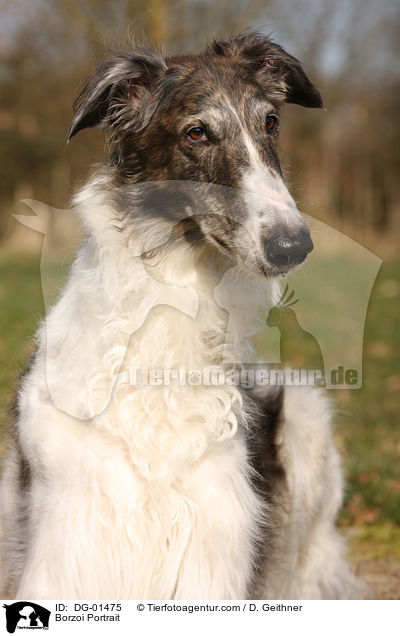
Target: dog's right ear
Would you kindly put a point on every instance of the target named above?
(281, 74)
(120, 88)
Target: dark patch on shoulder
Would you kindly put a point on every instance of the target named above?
(269, 475)
(24, 469)
(262, 440)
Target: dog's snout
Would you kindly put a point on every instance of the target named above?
(286, 251)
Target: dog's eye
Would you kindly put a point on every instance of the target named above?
(272, 123)
(197, 133)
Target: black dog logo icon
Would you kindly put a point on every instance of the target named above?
(25, 614)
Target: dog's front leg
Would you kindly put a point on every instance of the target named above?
(218, 561)
(212, 570)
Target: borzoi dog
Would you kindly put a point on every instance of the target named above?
(175, 490)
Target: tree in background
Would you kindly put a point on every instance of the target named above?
(343, 167)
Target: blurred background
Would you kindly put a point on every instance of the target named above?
(342, 166)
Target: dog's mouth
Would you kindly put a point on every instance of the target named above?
(275, 257)
(261, 266)
(221, 243)
(273, 272)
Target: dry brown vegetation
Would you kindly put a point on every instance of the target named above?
(343, 163)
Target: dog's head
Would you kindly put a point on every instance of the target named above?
(209, 119)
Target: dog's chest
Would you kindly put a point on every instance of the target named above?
(170, 533)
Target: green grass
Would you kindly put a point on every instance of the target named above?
(21, 307)
(376, 541)
(367, 419)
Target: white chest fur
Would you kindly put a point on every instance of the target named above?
(147, 489)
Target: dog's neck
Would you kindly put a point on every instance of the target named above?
(182, 307)
(179, 294)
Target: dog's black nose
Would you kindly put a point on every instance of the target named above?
(285, 251)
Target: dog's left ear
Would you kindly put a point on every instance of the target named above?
(122, 87)
(288, 71)
(280, 73)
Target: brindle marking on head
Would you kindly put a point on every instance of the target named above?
(148, 104)
(143, 99)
